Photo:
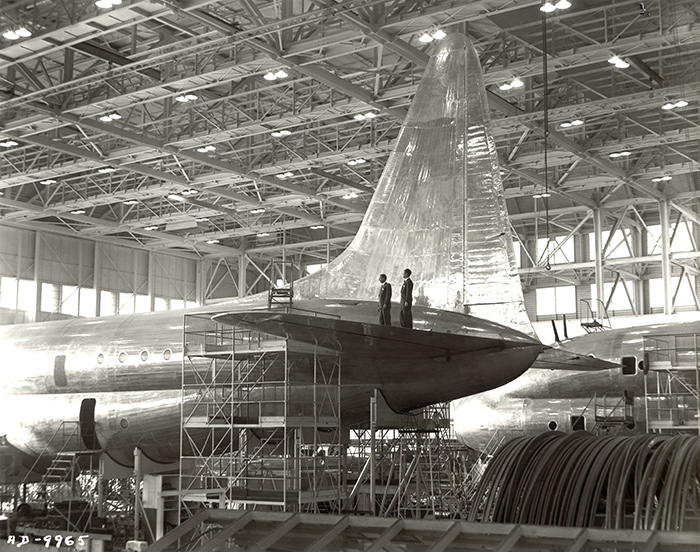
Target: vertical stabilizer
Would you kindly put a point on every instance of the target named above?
(439, 207)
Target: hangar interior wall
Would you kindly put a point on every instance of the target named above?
(47, 276)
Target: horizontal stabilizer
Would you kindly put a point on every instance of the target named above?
(362, 338)
(554, 358)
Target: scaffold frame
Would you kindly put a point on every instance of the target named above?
(261, 422)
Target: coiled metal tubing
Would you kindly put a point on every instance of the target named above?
(649, 482)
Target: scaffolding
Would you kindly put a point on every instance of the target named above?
(406, 466)
(260, 422)
(672, 383)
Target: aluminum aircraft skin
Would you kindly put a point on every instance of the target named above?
(437, 209)
(542, 400)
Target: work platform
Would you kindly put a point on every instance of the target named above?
(672, 383)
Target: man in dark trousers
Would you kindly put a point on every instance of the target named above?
(384, 301)
(406, 316)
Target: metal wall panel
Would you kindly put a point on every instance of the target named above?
(16, 253)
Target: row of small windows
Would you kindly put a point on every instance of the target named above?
(20, 294)
(167, 355)
(562, 299)
(59, 366)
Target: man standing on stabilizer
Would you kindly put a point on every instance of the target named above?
(406, 316)
(384, 301)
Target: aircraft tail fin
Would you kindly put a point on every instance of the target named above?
(439, 207)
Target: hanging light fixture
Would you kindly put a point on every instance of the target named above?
(515, 83)
(16, 34)
(186, 98)
(106, 4)
(274, 75)
(618, 62)
(109, 117)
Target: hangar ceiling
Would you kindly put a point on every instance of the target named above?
(158, 124)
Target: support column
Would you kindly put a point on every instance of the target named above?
(151, 282)
(664, 218)
(200, 281)
(598, 237)
(37, 274)
(137, 494)
(636, 241)
(97, 277)
(373, 453)
(242, 273)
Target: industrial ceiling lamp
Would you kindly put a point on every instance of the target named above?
(183, 98)
(515, 83)
(274, 75)
(429, 36)
(109, 117)
(16, 34)
(549, 7)
(618, 62)
(106, 4)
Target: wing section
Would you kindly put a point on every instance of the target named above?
(362, 338)
(554, 358)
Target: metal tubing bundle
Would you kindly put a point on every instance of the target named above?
(579, 479)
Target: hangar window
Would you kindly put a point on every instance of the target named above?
(167, 354)
(682, 292)
(59, 371)
(122, 356)
(629, 365)
(556, 300)
(622, 297)
(50, 297)
(552, 425)
(144, 356)
(108, 303)
(100, 358)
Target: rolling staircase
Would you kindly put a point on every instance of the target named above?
(59, 493)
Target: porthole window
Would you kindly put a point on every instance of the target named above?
(124, 423)
(100, 358)
(552, 425)
(122, 357)
(144, 356)
(167, 354)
